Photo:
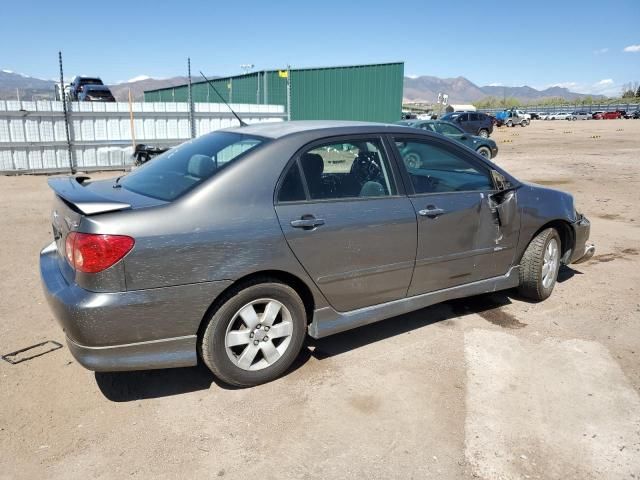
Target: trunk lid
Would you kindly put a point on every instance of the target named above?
(76, 198)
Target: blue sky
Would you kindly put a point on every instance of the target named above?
(578, 44)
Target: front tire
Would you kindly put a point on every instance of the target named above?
(509, 123)
(539, 266)
(484, 151)
(255, 335)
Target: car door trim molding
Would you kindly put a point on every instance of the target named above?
(364, 272)
(327, 321)
(456, 256)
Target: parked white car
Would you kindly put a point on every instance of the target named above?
(580, 116)
(557, 116)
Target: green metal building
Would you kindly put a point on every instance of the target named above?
(358, 92)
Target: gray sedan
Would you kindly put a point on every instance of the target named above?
(232, 247)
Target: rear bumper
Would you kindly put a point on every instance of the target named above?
(582, 250)
(131, 330)
(165, 353)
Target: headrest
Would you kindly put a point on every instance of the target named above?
(372, 189)
(200, 166)
(312, 165)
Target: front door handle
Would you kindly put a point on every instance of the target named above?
(307, 222)
(431, 211)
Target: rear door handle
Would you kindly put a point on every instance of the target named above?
(307, 223)
(431, 212)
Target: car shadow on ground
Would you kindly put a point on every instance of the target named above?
(130, 386)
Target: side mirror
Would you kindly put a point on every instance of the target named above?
(500, 180)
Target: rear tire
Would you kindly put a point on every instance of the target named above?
(484, 133)
(539, 266)
(244, 344)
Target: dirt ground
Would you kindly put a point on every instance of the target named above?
(490, 387)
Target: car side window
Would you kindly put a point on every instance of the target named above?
(291, 188)
(447, 129)
(473, 117)
(435, 169)
(347, 169)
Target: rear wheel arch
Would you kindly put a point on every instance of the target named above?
(255, 278)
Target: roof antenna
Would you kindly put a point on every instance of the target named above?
(242, 123)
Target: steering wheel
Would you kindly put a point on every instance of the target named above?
(365, 168)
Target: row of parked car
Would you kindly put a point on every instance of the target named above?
(582, 115)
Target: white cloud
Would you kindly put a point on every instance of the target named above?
(139, 78)
(600, 51)
(7, 71)
(632, 48)
(496, 84)
(606, 81)
(413, 76)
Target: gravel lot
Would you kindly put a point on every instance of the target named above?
(491, 387)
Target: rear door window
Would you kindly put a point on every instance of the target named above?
(345, 169)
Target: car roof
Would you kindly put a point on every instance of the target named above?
(321, 127)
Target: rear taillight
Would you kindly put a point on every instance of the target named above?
(91, 253)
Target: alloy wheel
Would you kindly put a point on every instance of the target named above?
(551, 262)
(259, 334)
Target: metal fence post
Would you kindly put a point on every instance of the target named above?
(192, 122)
(66, 117)
(288, 93)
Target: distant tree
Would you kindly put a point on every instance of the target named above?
(631, 89)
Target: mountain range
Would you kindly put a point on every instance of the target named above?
(416, 89)
(461, 90)
(31, 88)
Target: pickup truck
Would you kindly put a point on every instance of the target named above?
(511, 118)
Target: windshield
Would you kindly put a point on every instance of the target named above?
(175, 172)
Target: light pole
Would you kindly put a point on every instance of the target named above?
(247, 67)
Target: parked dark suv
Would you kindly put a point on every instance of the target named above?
(79, 83)
(471, 122)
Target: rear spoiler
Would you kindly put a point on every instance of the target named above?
(71, 190)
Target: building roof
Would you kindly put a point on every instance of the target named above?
(293, 69)
(281, 129)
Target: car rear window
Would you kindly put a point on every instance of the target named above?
(175, 172)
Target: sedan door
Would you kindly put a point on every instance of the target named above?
(347, 221)
(458, 230)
